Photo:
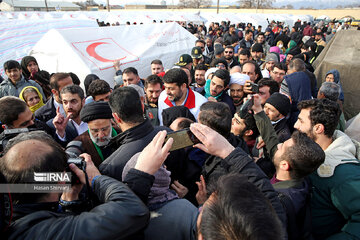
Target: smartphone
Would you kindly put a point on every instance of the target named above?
(254, 87)
(182, 139)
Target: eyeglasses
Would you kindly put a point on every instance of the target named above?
(228, 52)
(220, 66)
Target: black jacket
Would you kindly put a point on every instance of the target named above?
(70, 132)
(239, 162)
(121, 215)
(134, 140)
(282, 130)
(46, 112)
(225, 98)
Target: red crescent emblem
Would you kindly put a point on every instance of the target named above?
(151, 116)
(91, 51)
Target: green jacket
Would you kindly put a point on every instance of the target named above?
(267, 132)
(335, 201)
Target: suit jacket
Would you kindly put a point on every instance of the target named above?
(70, 132)
(46, 112)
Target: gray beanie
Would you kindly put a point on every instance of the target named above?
(272, 57)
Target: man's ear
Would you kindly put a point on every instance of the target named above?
(284, 165)
(116, 118)
(249, 132)
(319, 128)
(183, 86)
(53, 91)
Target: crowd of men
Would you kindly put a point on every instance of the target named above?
(271, 160)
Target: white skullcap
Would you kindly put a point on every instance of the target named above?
(209, 71)
(238, 78)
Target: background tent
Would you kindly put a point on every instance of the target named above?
(93, 50)
(17, 37)
(343, 53)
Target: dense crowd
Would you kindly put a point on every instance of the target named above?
(269, 158)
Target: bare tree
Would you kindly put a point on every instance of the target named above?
(255, 3)
(194, 3)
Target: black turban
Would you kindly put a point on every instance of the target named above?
(95, 110)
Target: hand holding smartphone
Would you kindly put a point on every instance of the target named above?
(182, 139)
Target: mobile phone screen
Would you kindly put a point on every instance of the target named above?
(182, 138)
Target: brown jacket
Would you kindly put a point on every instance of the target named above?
(89, 148)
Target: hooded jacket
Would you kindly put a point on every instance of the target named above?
(336, 75)
(7, 88)
(335, 202)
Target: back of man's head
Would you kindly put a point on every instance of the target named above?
(88, 80)
(125, 102)
(272, 84)
(98, 87)
(11, 64)
(297, 65)
(330, 90)
(235, 213)
(323, 111)
(304, 156)
(55, 78)
(176, 75)
(224, 75)
(26, 154)
(73, 89)
(11, 107)
(216, 115)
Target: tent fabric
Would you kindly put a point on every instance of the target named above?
(343, 53)
(17, 37)
(93, 50)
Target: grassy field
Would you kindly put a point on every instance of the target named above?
(333, 13)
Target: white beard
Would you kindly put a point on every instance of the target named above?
(97, 140)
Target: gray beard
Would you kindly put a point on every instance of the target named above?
(101, 144)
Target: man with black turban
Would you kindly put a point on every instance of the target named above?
(96, 140)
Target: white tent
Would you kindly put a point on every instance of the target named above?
(19, 36)
(93, 50)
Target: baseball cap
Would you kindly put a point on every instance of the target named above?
(196, 52)
(184, 60)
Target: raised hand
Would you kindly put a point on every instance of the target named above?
(256, 107)
(154, 154)
(60, 123)
(212, 142)
(201, 195)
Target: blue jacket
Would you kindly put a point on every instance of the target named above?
(299, 85)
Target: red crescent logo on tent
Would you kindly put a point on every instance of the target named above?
(91, 51)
